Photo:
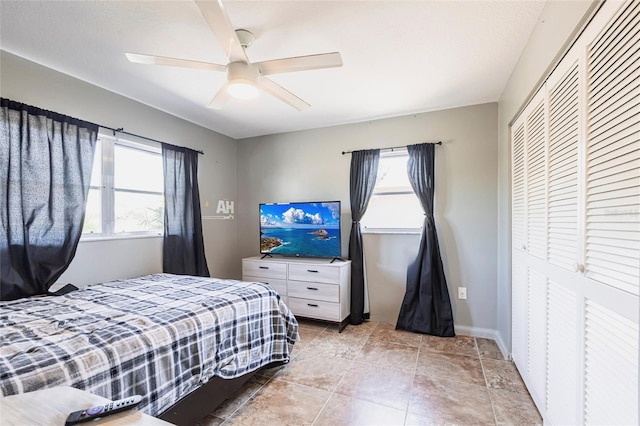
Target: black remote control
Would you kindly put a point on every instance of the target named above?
(103, 410)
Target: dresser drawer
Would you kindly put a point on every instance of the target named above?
(314, 273)
(278, 285)
(264, 269)
(311, 288)
(314, 291)
(315, 309)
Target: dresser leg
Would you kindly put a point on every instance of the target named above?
(343, 324)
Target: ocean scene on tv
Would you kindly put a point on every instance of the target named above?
(300, 229)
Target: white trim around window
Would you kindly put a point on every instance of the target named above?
(138, 182)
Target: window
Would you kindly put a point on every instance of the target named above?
(126, 194)
(393, 207)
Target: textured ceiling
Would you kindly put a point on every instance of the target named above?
(399, 57)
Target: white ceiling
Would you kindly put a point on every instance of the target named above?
(400, 57)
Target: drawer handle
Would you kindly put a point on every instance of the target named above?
(263, 267)
(312, 288)
(312, 270)
(313, 305)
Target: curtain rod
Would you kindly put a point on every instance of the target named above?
(391, 148)
(121, 130)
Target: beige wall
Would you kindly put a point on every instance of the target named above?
(33, 84)
(556, 26)
(308, 165)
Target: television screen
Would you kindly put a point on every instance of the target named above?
(300, 229)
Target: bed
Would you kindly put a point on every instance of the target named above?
(161, 336)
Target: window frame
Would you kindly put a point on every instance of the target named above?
(108, 189)
(396, 152)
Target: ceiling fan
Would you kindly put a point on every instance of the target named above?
(244, 79)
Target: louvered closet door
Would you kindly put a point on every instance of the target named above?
(564, 97)
(529, 239)
(536, 212)
(576, 228)
(518, 242)
(612, 212)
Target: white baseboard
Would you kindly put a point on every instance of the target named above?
(486, 333)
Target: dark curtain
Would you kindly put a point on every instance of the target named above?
(364, 171)
(45, 171)
(426, 307)
(183, 246)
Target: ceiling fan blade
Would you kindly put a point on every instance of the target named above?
(173, 62)
(216, 16)
(300, 63)
(283, 94)
(220, 98)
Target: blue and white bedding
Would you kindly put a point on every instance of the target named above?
(160, 336)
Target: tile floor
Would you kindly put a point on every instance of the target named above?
(372, 374)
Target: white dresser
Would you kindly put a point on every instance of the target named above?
(311, 288)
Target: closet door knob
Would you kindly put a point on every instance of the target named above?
(581, 268)
(575, 266)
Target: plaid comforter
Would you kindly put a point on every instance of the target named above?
(160, 336)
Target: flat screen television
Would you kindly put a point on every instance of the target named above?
(309, 229)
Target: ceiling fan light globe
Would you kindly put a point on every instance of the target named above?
(243, 89)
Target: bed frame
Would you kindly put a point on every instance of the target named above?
(204, 400)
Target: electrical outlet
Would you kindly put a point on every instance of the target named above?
(462, 292)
